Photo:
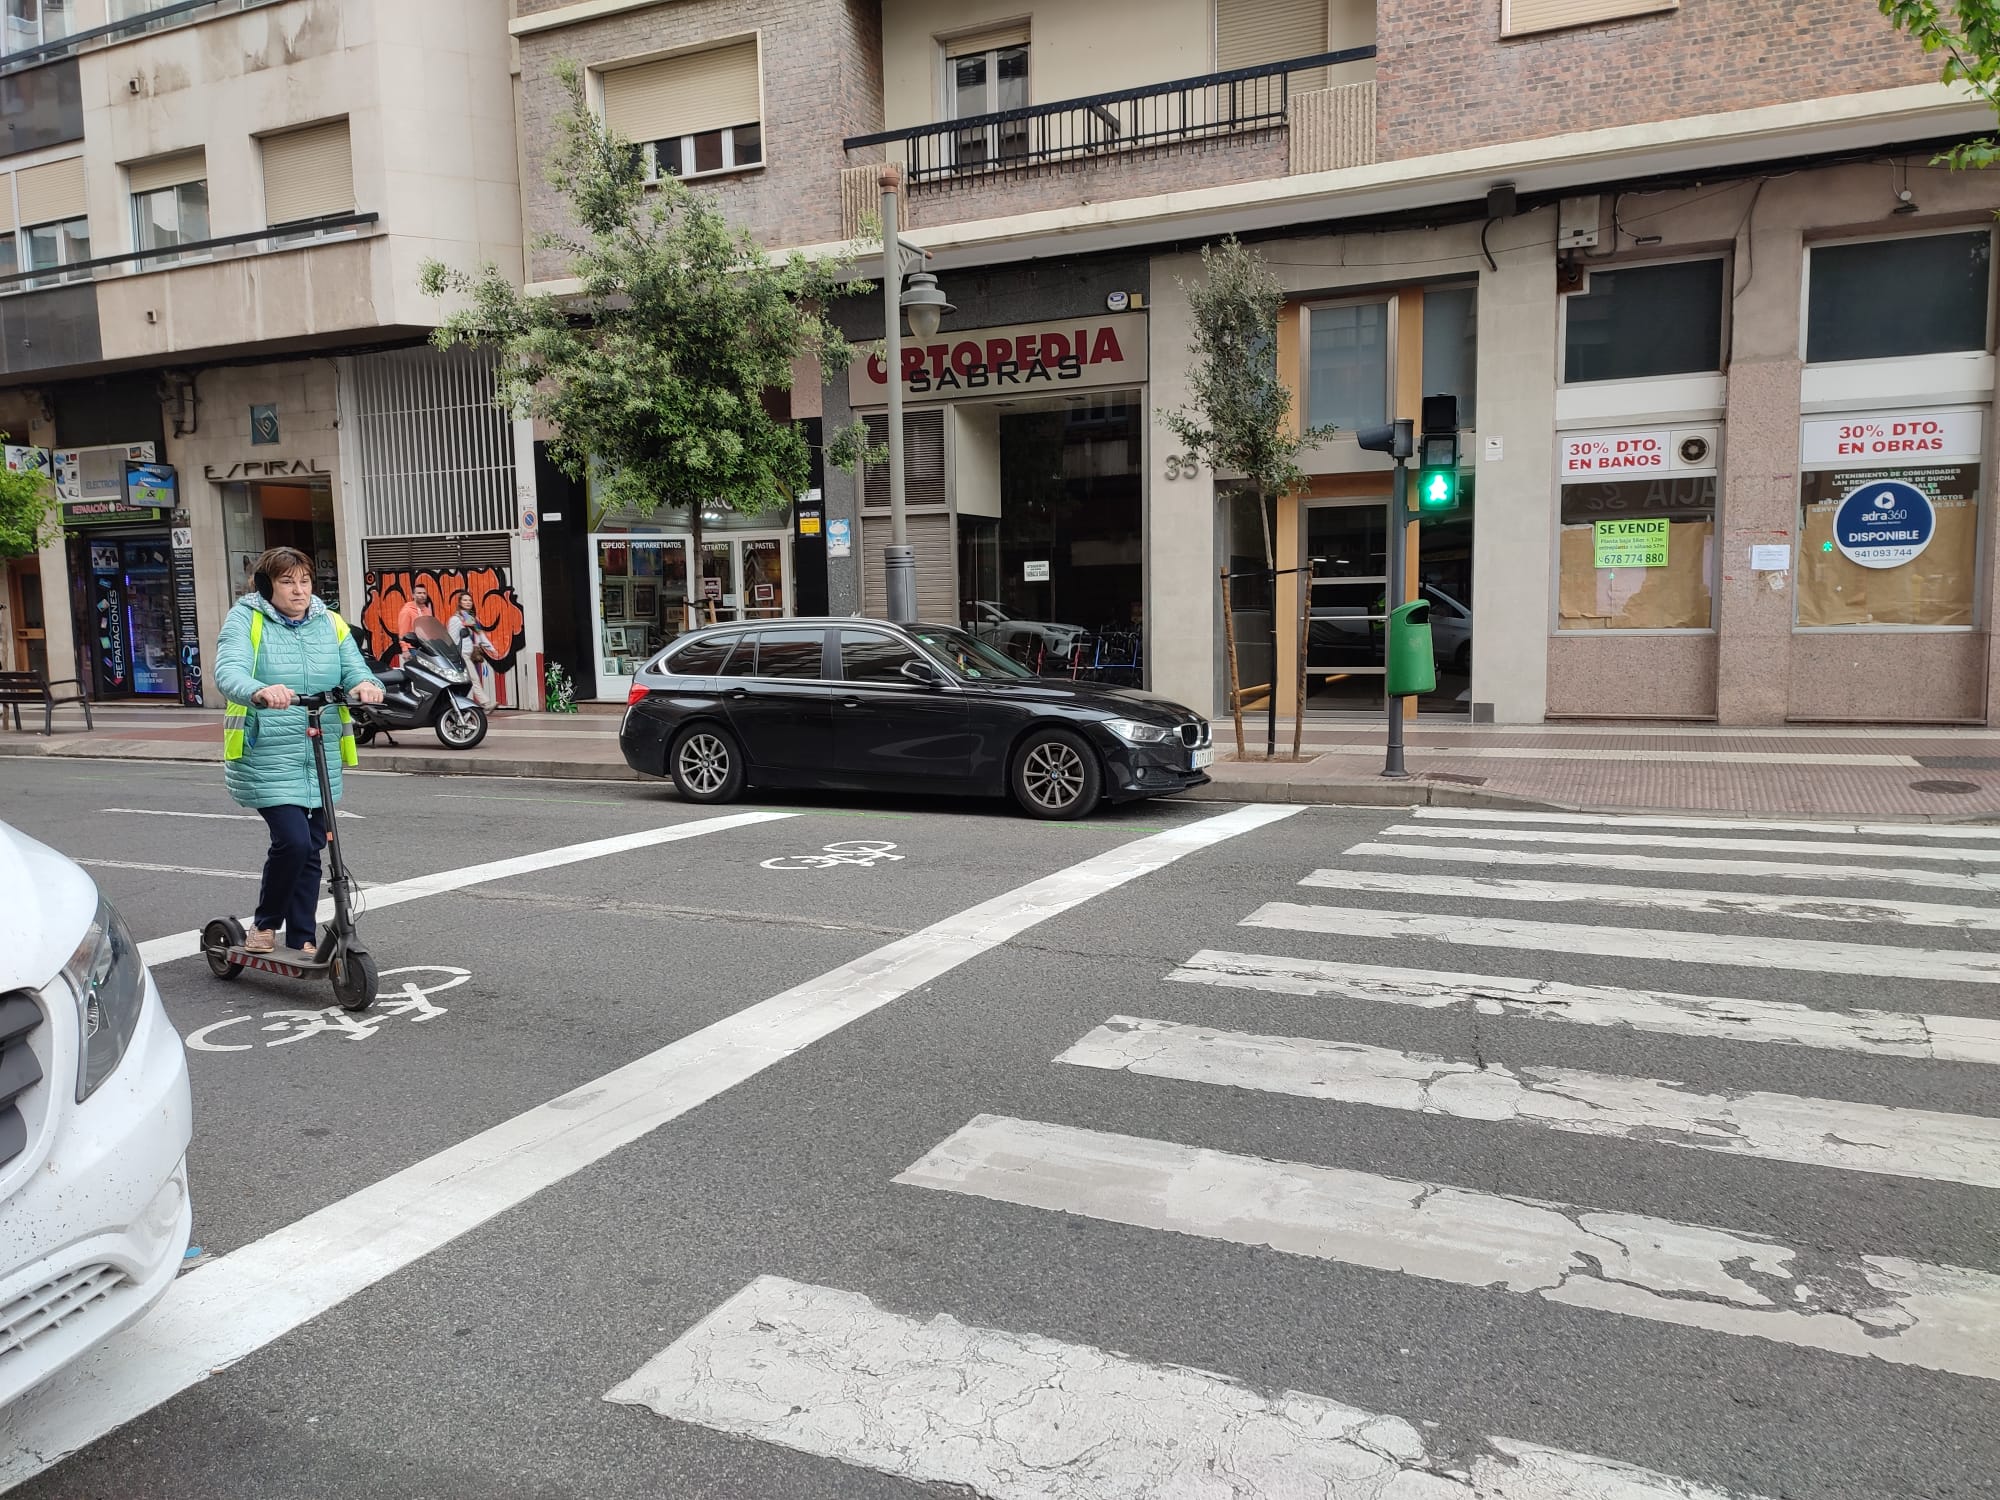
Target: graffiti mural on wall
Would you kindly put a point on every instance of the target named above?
(493, 601)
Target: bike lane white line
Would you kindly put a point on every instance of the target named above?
(229, 1308)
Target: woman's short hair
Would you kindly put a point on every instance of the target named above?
(279, 561)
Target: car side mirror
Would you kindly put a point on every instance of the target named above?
(921, 671)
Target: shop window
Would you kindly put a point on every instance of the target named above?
(1888, 538)
(1347, 365)
(1639, 321)
(1451, 348)
(1888, 299)
(1638, 554)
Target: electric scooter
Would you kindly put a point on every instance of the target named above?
(338, 955)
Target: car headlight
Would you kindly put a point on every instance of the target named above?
(108, 980)
(1132, 732)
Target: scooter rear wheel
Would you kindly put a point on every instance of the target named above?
(354, 981)
(217, 938)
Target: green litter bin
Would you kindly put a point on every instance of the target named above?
(1412, 668)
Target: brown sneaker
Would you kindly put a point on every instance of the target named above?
(260, 940)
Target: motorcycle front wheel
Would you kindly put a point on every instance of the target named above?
(460, 727)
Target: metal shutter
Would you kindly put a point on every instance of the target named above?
(937, 568)
(308, 174)
(923, 459)
(7, 220)
(1520, 17)
(990, 39)
(437, 554)
(1251, 32)
(167, 171)
(52, 191)
(684, 95)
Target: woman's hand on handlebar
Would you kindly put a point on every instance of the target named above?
(277, 695)
(366, 692)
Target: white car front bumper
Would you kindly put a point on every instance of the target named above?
(95, 1233)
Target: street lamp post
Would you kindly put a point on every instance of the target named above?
(927, 306)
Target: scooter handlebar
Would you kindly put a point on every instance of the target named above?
(331, 698)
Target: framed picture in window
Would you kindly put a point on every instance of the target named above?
(646, 559)
(614, 641)
(612, 602)
(613, 559)
(645, 601)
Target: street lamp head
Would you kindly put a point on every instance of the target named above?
(924, 302)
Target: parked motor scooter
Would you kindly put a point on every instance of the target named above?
(427, 688)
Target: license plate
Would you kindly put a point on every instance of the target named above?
(1201, 760)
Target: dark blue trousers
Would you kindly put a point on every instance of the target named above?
(290, 894)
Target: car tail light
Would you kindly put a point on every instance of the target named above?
(636, 694)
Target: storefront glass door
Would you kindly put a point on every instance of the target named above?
(1347, 542)
(127, 623)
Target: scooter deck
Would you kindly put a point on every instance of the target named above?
(270, 963)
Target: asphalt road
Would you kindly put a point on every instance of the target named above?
(1327, 1158)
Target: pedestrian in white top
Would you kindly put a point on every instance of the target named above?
(476, 647)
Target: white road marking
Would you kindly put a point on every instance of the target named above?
(1879, 1033)
(1654, 943)
(127, 864)
(1674, 841)
(1871, 1306)
(246, 817)
(1692, 757)
(232, 1306)
(1641, 820)
(1661, 898)
(162, 950)
(1927, 1145)
(1016, 1416)
(1668, 864)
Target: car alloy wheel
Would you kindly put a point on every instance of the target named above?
(704, 764)
(1053, 775)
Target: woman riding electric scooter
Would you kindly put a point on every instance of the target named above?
(278, 644)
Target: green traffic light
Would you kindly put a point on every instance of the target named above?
(1437, 489)
(1826, 546)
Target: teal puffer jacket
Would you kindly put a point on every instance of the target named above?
(277, 771)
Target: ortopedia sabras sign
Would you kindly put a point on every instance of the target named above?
(1018, 359)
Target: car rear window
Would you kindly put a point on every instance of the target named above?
(702, 658)
(788, 653)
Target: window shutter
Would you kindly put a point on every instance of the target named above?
(167, 171)
(937, 567)
(7, 220)
(1250, 32)
(988, 40)
(1521, 17)
(684, 95)
(52, 191)
(308, 174)
(923, 459)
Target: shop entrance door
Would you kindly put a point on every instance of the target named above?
(127, 619)
(1347, 542)
(24, 588)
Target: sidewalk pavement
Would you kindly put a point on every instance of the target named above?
(1908, 774)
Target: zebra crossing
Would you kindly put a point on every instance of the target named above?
(1012, 1414)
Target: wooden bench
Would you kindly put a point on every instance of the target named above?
(35, 691)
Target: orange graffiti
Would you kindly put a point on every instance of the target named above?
(493, 604)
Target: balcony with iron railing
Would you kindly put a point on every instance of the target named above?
(1247, 124)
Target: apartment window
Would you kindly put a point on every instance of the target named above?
(50, 247)
(1639, 321)
(693, 114)
(1249, 33)
(47, 202)
(1347, 365)
(30, 23)
(984, 73)
(1526, 17)
(308, 174)
(1451, 348)
(1887, 299)
(169, 204)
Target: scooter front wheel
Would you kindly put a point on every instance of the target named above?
(217, 938)
(461, 726)
(354, 981)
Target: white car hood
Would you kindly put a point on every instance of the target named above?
(46, 904)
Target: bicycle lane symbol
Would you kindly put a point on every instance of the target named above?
(865, 853)
(409, 999)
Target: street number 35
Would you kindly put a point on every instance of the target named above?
(1183, 466)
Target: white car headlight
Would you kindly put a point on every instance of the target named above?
(1132, 732)
(107, 980)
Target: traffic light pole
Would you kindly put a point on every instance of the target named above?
(1399, 523)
